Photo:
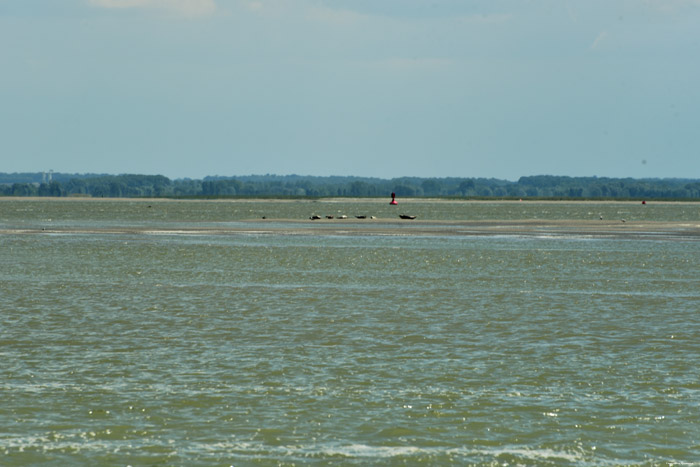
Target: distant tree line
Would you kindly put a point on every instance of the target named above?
(541, 186)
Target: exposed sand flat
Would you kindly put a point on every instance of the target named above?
(384, 226)
(392, 227)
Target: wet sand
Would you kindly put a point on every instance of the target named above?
(393, 227)
(494, 227)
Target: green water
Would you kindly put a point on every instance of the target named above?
(240, 349)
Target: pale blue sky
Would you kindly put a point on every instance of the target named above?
(378, 88)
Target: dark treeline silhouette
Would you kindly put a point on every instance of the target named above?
(540, 186)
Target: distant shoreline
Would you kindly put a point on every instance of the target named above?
(345, 200)
(534, 187)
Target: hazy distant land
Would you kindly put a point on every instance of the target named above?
(533, 187)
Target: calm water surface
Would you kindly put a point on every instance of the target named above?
(183, 349)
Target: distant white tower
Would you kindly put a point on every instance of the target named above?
(50, 175)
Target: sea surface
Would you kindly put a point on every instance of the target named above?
(165, 346)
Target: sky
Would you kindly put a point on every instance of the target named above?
(371, 88)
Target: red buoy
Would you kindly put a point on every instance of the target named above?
(393, 198)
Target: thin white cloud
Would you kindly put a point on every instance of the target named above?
(599, 40)
(188, 8)
(255, 6)
(334, 16)
(672, 6)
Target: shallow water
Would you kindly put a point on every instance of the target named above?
(184, 349)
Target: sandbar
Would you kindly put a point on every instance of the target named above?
(393, 227)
